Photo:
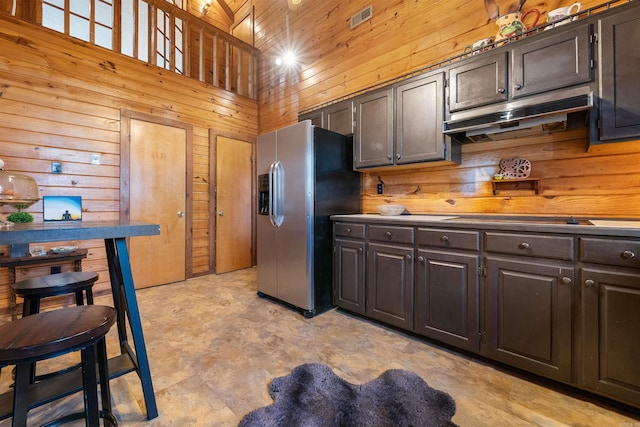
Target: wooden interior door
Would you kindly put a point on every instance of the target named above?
(157, 170)
(234, 205)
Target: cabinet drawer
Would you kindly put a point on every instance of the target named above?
(625, 253)
(451, 239)
(385, 233)
(554, 247)
(346, 229)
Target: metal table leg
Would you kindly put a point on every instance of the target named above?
(124, 297)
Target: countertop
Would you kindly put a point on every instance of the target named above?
(74, 230)
(604, 227)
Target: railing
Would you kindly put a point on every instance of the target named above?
(156, 32)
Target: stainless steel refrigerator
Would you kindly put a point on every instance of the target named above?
(305, 174)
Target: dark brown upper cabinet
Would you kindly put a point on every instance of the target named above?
(373, 138)
(551, 62)
(418, 118)
(619, 57)
(542, 63)
(478, 82)
(339, 117)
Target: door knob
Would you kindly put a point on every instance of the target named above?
(221, 213)
(180, 214)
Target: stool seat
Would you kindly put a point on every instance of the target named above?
(51, 285)
(51, 333)
(55, 284)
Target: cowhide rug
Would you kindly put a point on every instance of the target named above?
(312, 395)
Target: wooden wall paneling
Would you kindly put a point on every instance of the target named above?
(218, 13)
(401, 37)
(137, 79)
(572, 181)
(201, 248)
(60, 101)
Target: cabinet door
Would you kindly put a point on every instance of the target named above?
(339, 117)
(553, 61)
(374, 129)
(529, 316)
(348, 274)
(611, 327)
(447, 294)
(316, 117)
(389, 288)
(619, 88)
(479, 81)
(419, 117)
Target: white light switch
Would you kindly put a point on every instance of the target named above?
(95, 159)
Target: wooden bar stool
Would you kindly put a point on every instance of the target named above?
(35, 289)
(53, 333)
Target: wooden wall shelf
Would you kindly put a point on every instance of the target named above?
(515, 184)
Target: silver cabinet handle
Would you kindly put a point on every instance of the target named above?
(566, 280)
(180, 214)
(628, 255)
(445, 238)
(501, 90)
(388, 234)
(524, 245)
(518, 86)
(407, 256)
(348, 231)
(421, 258)
(589, 283)
(398, 156)
(221, 213)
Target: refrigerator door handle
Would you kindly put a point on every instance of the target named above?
(278, 214)
(271, 193)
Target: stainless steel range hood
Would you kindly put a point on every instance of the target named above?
(530, 116)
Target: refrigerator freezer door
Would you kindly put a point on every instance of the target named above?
(266, 233)
(295, 234)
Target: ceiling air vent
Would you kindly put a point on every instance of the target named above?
(361, 16)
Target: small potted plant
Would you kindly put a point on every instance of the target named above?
(20, 216)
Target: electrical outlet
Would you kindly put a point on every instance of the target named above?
(56, 167)
(95, 159)
(380, 188)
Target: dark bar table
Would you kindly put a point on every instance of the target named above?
(132, 358)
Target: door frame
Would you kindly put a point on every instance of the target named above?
(213, 158)
(125, 163)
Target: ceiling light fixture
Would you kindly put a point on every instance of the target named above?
(288, 59)
(206, 6)
(293, 4)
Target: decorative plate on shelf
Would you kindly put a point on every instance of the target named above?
(63, 249)
(515, 168)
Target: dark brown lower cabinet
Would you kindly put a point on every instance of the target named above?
(349, 274)
(509, 295)
(389, 284)
(610, 333)
(529, 315)
(446, 304)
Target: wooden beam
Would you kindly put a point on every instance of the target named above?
(225, 7)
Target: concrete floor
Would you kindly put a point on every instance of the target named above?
(214, 346)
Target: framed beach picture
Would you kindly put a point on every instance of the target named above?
(62, 208)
